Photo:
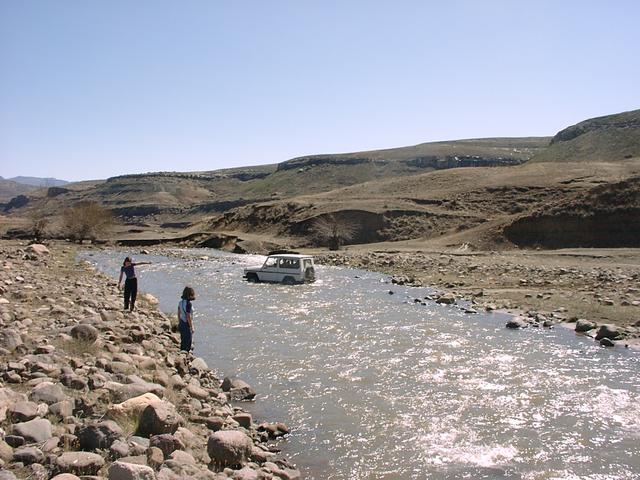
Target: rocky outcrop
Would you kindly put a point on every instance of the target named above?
(607, 216)
(625, 121)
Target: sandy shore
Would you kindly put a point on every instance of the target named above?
(89, 390)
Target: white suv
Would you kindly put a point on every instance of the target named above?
(283, 268)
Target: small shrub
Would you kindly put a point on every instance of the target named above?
(333, 231)
(86, 221)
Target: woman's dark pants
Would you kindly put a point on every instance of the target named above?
(185, 336)
(130, 293)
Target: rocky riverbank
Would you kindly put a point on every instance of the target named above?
(597, 293)
(89, 391)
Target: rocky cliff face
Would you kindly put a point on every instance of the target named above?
(433, 162)
(608, 216)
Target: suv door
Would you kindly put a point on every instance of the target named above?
(269, 271)
(290, 267)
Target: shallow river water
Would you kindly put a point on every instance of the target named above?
(376, 386)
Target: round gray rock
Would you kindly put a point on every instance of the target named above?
(98, 435)
(22, 412)
(583, 325)
(130, 471)
(238, 389)
(10, 339)
(47, 392)
(229, 447)
(28, 455)
(516, 322)
(34, 431)
(79, 463)
(85, 332)
(158, 418)
(611, 332)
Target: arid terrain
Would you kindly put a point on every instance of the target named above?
(549, 226)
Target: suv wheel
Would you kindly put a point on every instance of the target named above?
(288, 281)
(253, 277)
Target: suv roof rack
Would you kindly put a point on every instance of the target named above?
(283, 252)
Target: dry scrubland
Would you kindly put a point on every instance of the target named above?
(494, 211)
(88, 390)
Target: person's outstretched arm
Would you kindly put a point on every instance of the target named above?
(120, 279)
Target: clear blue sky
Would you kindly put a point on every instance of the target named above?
(92, 89)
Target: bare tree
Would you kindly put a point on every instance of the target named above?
(39, 224)
(87, 220)
(333, 231)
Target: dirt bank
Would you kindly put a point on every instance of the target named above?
(88, 389)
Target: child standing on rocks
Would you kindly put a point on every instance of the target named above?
(130, 282)
(185, 318)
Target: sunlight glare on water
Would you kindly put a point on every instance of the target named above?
(377, 386)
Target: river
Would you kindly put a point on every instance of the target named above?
(375, 385)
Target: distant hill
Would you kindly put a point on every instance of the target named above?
(485, 152)
(195, 194)
(10, 189)
(483, 192)
(39, 182)
(611, 138)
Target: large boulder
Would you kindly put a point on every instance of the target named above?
(62, 409)
(76, 382)
(237, 389)
(229, 447)
(79, 463)
(158, 418)
(10, 339)
(6, 452)
(196, 391)
(34, 431)
(122, 392)
(612, 332)
(85, 333)
(38, 249)
(167, 443)
(198, 365)
(133, 407)
(98, 435)
(516, 322)
(446, 299)
(8, 397)
(28, 455)
(583, 325)
(22, 412)
(130, 471)
(47, 392)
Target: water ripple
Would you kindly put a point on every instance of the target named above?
(377, 386)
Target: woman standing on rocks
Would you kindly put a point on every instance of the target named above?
(185, 318)
(130, 282)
